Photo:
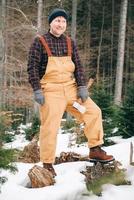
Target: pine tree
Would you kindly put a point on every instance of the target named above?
(34, 129)
(109, 112)
(6, 155)
(126, 128)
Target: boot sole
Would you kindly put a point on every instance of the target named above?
(101, 161)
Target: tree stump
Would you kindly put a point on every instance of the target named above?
(40, 177)
(30, 153)
(106, 173)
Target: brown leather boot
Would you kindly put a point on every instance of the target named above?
(97, 154)
(49, 167)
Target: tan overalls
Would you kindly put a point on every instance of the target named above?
(60, 91)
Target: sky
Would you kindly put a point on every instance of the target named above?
(69, 182)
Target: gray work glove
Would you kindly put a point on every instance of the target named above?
(39, 97)
(82, 93)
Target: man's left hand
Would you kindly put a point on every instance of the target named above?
(83, 93)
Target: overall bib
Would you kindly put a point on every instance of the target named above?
(60, 92)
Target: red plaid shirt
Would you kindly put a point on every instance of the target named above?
(38, 58)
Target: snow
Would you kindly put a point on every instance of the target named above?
(70, 184)
(18, 143)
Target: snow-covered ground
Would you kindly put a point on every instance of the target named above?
(70, 184)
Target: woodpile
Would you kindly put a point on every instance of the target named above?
(40, 177)
(69, 157)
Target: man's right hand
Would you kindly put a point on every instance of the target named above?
(39, 97)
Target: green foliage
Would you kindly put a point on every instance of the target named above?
(6, 162)
(5, 125)
(6, 159)
(126, 127)
(103, 100)
(110, 113)
(6, 155)
(3, 180)
(7, 137)
(17, 120)
(34, 129)
(115, 177)
(81, 139)
(69, 124)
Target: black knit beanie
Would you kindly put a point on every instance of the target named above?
(56, 13)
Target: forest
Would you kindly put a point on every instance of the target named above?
(104, 32)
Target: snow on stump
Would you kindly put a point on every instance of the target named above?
(40, 177)
(30, 153)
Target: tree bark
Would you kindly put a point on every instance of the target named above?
(73, 35)
(99, 49)
(121, 52)
(112, 47)
(40, 177)
(39, 18)
(74, 19)
(86, 57)
(39, 30)
(2, 48)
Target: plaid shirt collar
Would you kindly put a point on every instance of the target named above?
(54, 37)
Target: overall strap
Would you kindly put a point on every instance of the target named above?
(69, 46)
(45, 45)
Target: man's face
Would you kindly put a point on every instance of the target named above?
(58, 26)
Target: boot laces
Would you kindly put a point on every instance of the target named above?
(102, 150)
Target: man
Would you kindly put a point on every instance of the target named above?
(57, 78)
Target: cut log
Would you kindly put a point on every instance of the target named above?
(40, 177)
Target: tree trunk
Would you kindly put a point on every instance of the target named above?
(89, 26)
(39, 18)
(99, 49)
(39, 30)
(112, 47)
(74, 19)
(120, 54)
(2, 48)
(73, 36)
(86, 57)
